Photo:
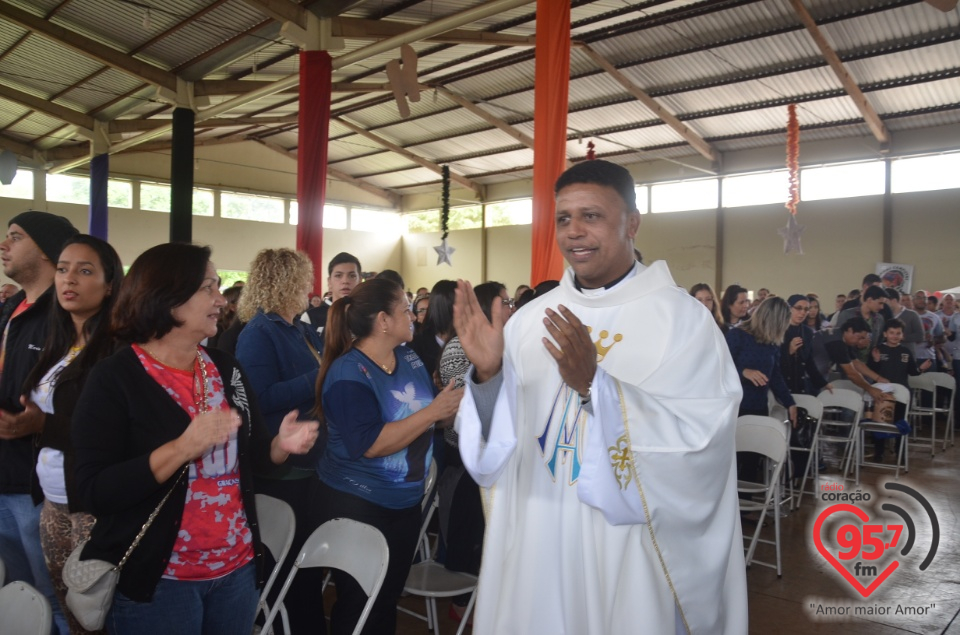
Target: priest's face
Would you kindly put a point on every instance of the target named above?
(595, 232)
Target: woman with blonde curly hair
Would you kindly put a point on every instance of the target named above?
(281, 356)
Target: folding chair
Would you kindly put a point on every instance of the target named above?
(814, 408)
(350, 546)
(833, 403)
(846, 384)
(933, 384)
(766, 436)
(902, 395)
(24, 610)
(431, 580)
(277, 527)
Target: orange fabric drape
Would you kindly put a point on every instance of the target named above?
(316, 72)
(552, 82)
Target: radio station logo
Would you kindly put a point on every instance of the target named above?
(866, 550)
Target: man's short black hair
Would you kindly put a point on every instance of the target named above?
(604, 173)
(855, 324)
(341, 259)
(871, 278)
(390, 274)
(874, 293)
(893, 294)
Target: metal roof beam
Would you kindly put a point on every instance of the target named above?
(386, 195)
(360, 29)
(69, 115)
(870, 115)
(91, 48)
(419, 160)
(240, 86)
(483, 114)
(281, 11)
(141, 125)
(427, 30)
(21, 148)
(691, 137)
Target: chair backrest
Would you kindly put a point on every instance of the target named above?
(763, 435)
(24, 610)
(811, 404)
(941, 380)
(841, 398)
(350, 546)
(901, 393)
(846, 384)
(277, 525)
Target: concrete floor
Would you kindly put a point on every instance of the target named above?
(786, 606)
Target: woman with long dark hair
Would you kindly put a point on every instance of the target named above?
(437, 327)
(379, 405)
(86, 283)
(814, 318)
(169, 430)
(734, 306)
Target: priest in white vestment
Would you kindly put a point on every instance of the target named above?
(600, 426)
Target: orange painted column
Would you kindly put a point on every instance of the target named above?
(551, 90)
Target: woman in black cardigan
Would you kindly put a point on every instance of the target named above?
(165, 414)
(87, 280)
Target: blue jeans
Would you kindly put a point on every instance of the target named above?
(21, 551)
(224, 606)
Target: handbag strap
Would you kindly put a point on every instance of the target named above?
(150, 519)
(201, 399)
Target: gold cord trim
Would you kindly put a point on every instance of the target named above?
(646, 511)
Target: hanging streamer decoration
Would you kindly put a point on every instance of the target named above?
(444, 251)
(791, 233)
(591, 152)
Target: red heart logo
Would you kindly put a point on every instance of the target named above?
(818, 541)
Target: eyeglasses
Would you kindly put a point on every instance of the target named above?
(509, 302)
(802, 309)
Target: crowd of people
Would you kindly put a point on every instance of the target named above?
(876, 336)
(156, 394)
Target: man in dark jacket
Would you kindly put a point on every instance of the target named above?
(29, 255)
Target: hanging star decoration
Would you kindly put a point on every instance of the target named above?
(791, 233)
(791, 236)
(444, 251)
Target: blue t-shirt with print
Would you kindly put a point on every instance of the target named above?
(359, 398)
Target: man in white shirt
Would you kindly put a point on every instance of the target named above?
(603, 436)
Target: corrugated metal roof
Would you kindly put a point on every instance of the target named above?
(727, 71)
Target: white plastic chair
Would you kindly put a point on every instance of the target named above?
(350, 546)
(24, 610)
(277, 527)
(431, 580)
(814, 408)
(844, 399)
(933, 384)
(902, 395)
(766, 436)
(846, 384)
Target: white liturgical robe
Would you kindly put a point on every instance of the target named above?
(620, 517)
